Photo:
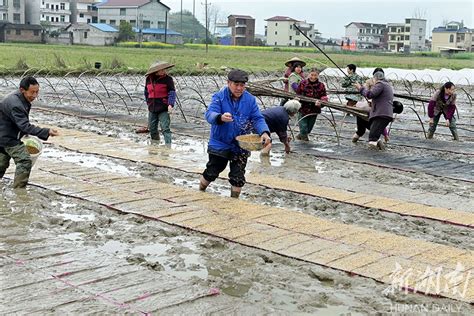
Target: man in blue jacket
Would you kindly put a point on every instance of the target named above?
(232, 112)
(14, 124)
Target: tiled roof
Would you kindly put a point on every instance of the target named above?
(126, 3)
(442, 29)
(104, 27)
(280, 18)
(123, 3)
(365, 24)
(241, 16)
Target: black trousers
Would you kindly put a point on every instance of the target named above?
(217, 164)
(376, 126)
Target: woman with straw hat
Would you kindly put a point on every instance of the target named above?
(160, 96)
(292, 64)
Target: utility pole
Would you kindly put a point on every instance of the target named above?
(207, 26)
(140, 27)
(181, 16)
(166, 25)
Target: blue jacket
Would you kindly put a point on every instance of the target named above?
(277, 119)
(246, 115)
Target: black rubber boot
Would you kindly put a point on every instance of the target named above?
(235, 192)
(203, 184)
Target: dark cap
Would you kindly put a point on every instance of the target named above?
(237, 75)
(378, 69)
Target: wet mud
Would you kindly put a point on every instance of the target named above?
(255, 281)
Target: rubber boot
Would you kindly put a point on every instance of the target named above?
(235, 192)
(355, 138)
(455, 135)
(20, 180)
(430, 132)
(203, 184)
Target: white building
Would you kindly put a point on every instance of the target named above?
(84, 11)
(12, 11)
(56, 13)
(139, 13)
(408, 36)
(280, 31)
(94, 34)
(365, 35)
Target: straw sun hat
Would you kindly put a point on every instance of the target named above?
(159, 65)
(289, 62)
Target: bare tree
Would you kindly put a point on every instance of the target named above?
(214, 16)
(419, 13)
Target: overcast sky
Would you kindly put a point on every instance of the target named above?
(330, 16)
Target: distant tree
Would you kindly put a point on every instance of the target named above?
(214, 16)
(192, 29)
(258, 42)
(125, 32)
(46, 26)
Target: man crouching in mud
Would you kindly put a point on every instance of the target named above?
(14, 124)
(232, 112)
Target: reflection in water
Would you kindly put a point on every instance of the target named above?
(87, 160)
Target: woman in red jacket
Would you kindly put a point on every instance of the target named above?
(160, 96)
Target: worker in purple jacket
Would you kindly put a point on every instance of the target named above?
(443, 102)
(381, 111)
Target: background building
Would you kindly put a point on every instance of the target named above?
(55, 13)
(139, 13)
(223, 34)
(242, 29)
(453, 35)
(362, 35)
(280, 31)
(10, 32)
(84, 11)
(12, 11)
(93, 34)
(408, 36)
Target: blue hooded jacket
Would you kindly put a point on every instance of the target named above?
(246, 118)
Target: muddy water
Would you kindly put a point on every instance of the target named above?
(260, 281)
(264, 280)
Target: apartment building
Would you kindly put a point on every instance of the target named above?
(453, 35)
(407, 37)
(143, 14)
(84, 11)
(55, 13)
(364, 35)
(14, 25)
(280, 31)
(12, 11)
(242, 29)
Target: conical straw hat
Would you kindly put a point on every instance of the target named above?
(289, 62)
(159, 65)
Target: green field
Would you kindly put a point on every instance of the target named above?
(60, 59)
